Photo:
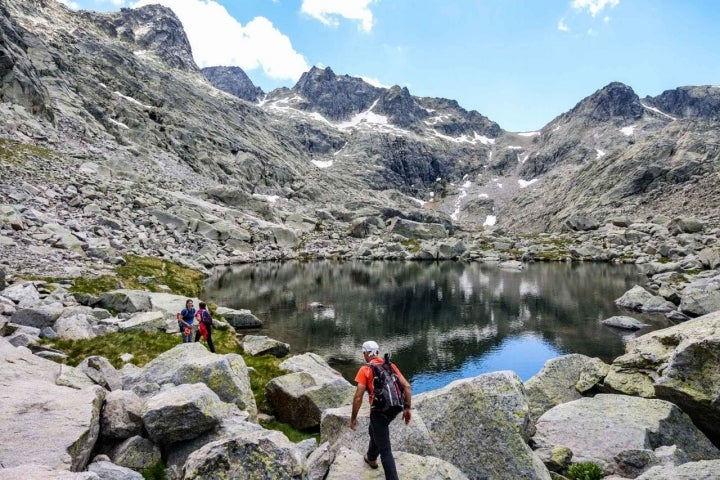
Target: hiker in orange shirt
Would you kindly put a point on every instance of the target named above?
(379, 428)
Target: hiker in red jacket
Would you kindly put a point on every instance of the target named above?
(379, 428)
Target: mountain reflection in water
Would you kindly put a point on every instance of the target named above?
(440, 321)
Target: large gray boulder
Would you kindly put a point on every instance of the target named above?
(260, 454)
(299, 398)
(100, 370)
(229, 427)
(480, 425)
(110, 471)
(624, 322)
(144, 322)
(25, 294)
(417, 230)
(239, 318)
(182, 413)
(679, 364)
(136, 453)
(40, 421)
(603, 428)
(702, 470)
(561, 380)
(639, 299)
(39, 317)
(263, 345)
(41, 472)
(226, 375)
(349, 464)
(74, 327)
(125, 301)
(121, 415)
(701, 297)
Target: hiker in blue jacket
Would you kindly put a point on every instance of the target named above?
(185, 318)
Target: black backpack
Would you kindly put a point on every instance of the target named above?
(389, 396)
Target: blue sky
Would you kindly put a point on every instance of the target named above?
(519, 62)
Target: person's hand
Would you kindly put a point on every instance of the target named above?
(353, 423)
(407, 415)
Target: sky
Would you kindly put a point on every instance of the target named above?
(520, 63)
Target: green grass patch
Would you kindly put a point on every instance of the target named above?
(585, 471)
(266, 368)
(16, 152)
(144, 346)
(154, 472)
(181, 280)
(293, 434)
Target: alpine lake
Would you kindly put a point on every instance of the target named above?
(440, 321)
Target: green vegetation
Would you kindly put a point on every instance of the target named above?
(181, 280)
(154, 472)
(144, 346)
(292, 434)
(411, 243)
(584, 471)
(11, 151)
(266, 367)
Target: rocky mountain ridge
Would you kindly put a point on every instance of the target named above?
(114, 142)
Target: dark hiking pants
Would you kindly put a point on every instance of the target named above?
(379, 431)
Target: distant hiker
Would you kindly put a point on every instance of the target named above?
(205, 325)
(383, 406)
(185, 318)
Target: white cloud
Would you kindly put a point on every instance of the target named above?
(218, 39)
(594, 6)
(327, 11)
(562, 26)
(374, 82)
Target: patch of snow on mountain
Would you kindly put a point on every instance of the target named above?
(528, 134)
(119, 124)
(465, 139)
(627, 131)
(341, 149)
(437, 119)
(132, 100)
(514, 147)
(525, 183)
(524, 158)
(490, 220)
(365, 117)
(656, 110)
(140, 53)
(600, 153)
(267, 198)
(483, 195)
(458, 202)
(321, 164)
(421, 202)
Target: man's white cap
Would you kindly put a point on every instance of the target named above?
(371, 347)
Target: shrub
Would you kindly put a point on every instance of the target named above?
(585, 471)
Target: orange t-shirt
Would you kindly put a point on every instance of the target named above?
(365, 376)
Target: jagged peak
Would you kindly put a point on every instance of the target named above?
(702, 101)
(614, 102)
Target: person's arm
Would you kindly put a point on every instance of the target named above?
(357, 402)
(407, 409)
(181, 319)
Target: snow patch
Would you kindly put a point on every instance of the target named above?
(600, 153)
(365, 117)
(119, 124)
(474, 140)
(526, 183)
(490, 220)
(653, 109)
(514, 147)
(483, 195)
(421, 202)
(322, 164)
(627, 131)
(528, 134)
(132, 100)
(268, 198)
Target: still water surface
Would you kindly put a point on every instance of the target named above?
(440, 321)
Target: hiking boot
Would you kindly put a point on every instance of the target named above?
(372, 463)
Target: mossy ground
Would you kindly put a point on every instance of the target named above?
(181, 280)
(16, 152)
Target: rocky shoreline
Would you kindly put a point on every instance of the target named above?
(651, 414)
